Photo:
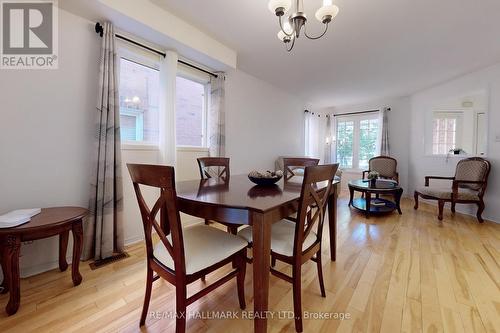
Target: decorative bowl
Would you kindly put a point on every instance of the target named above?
(266, 178)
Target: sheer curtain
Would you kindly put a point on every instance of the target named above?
(328, 140)
(168, 74)
(311, 134)
(217, 116)
(384, 147)
(103, 234)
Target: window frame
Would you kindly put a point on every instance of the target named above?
(147, 59)
(356, 119)
(203, 79)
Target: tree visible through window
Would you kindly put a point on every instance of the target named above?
(345, 144)
(356, 141)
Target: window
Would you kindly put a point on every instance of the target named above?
(190, 109)
(356, 141)
(139, 102)
(445, 131)
(345, 143)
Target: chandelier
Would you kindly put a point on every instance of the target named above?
(293, 24)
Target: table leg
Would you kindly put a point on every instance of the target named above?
(368, 200)
(77, 251)
(332, 221)
(261, 232)
(63, 246)
(10, 255)
(4, 287)
(398, 200)
(351, 195)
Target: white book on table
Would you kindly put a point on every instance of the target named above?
(18, 217)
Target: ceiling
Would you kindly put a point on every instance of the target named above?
(374, 49)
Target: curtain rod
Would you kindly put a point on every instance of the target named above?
(361, 112)
(307, 111)
(100, 30)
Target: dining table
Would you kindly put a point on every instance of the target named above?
(236, 200)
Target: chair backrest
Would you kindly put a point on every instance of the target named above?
(162, 178)
(316, 189)
(473, 169)
(291, 163)
(386, 166)
(214, 167)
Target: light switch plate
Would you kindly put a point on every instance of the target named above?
(497, 138)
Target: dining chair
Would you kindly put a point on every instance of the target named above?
(296, 240)
(183, 255)
(292, 164)
(468, 186)
(212, 167)
(216, 167)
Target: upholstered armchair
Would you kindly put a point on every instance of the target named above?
(468, 186)
(386, 166)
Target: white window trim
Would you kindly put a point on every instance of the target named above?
(355, 142)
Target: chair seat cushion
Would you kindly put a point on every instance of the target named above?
(204, 246)
(282, 237)
(445, 193)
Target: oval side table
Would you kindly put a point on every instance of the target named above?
(49, 222)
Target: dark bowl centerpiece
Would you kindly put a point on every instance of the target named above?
(265, 178)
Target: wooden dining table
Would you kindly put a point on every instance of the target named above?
(237, 200)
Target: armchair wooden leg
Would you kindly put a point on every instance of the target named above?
(441, 208)
(207, 222)
(415, 195)
(453, 207)
(480, 209)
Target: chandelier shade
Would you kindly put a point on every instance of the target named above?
(292, 25)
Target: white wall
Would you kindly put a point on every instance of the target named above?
(46, 130)
(399, 129)
(262, 123)
(421, 164)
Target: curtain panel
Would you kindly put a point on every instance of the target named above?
(385, 149)
(103, 234)
(217, 116)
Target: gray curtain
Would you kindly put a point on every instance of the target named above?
(217, 116)
(104, 228)
(385, 149)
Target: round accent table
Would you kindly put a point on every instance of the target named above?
(368, 204)
(49, 222)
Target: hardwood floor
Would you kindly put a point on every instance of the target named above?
(406, 273)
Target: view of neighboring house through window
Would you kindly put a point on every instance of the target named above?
(356, 140)
(190, 110)
(139, 102)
